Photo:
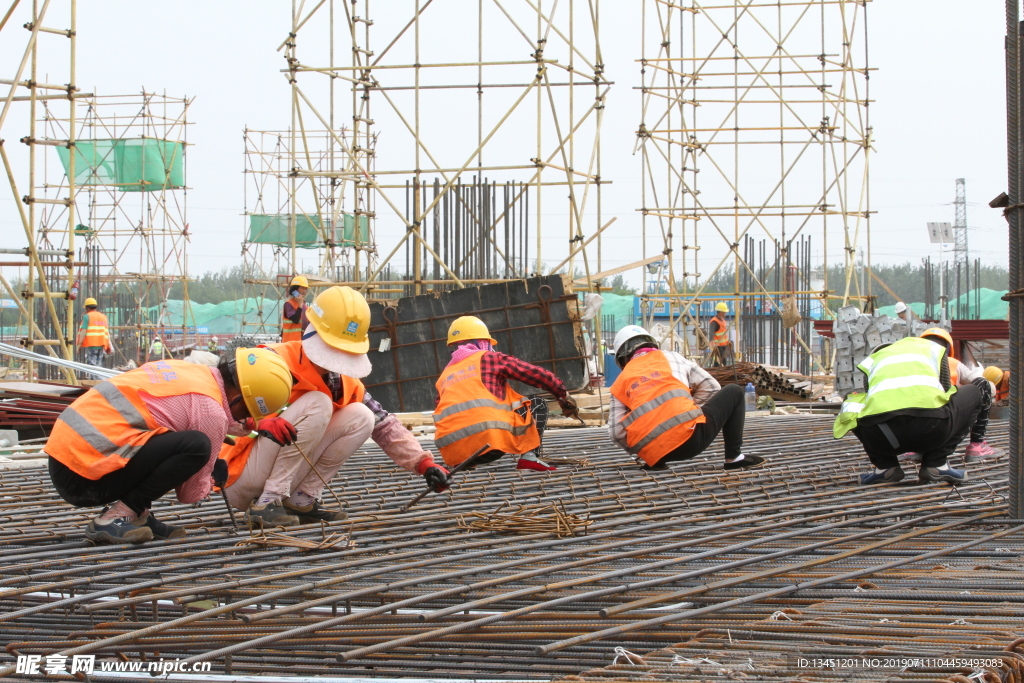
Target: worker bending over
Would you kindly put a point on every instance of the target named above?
(132, 438)
(911, 404)
(959, 376)
(665, 407)
(1001, 380)
(718, 336)
(94, 335)
(293, 311)
(330, 416)
(476, 406)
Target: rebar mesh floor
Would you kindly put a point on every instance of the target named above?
(790, 571)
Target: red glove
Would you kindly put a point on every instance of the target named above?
(435, 475)
(278, 430)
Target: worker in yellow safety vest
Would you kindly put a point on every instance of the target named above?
(718, 336)
(94, 335)
(293, 315)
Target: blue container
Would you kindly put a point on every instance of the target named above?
(611, 370)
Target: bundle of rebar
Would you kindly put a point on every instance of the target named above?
(527, 520)
(774, 382)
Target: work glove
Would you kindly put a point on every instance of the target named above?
(220, 473)
(278, 430)
(435, 475)
(569, 407)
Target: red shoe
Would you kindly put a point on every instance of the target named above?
(529, 461)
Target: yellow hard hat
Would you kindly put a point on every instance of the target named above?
(264, 380)
(993, 374)
(341, 316)
(299, 280)
(722, 306)
(91, 302)
(939, 333)
(467, 328)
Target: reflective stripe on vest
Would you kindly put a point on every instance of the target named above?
(96, 333)
(112, 419)
(721, 337)
(468, 416)
(662, 414)
(904, 374)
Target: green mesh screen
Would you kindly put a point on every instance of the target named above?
(132, 165)
(310, 231)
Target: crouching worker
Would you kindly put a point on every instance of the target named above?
(476, 406)
(911, 405)
(278, 477)
(665, 407)
(131, 439)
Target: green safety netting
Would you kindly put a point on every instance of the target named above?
(992, 307)
(131, 165)
(310, 230)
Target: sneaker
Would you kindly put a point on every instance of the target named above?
(268, 515)
(746, 463)
(118, 530)
(910, 457)
(313, 513)
(977, 451)
(890, 476)
(951, 476)
(161, 531)
(532, 463)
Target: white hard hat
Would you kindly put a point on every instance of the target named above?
(214, 339)
(623, 336)
(900, 307)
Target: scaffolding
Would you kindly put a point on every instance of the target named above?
(754, 124)
(433, 141)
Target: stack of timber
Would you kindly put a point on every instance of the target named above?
(779, 383)
(30, 405)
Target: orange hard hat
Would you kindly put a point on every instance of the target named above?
(938, 332)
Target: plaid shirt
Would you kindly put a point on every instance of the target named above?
(496, 369)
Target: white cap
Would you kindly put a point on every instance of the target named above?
(355, 365)
(900, 307)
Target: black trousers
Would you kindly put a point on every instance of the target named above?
(165, 462)
(539, 408)
(935, 435)
(725, 413)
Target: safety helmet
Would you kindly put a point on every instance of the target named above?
(91, 302)
(628, 340)
(263, 379)
(300, 281)
(993, 374)
(341, 317)
(938, 333)
(900, 307)
(722, 306)
(214, 339)
(467, 328)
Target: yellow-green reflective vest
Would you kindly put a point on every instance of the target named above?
(903, 375)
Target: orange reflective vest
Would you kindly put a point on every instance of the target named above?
(721, 336)
(307, 378)
(106, 426)
(468, 416)
(96, 330)
(1003, 388)
(292, 332)
(954, 371)
(662, 414)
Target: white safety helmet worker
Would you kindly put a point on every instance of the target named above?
(900, 307)
(628, 340)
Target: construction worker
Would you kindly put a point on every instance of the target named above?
(911, 404)
(157, 350)
(213, 346)
(294, 310)
(961, 375)
(476, 406)
(131, 439)
(901, 311)
(665, 407)
(94, 335)
(330, 416)
(1001, 381)
(718, 334)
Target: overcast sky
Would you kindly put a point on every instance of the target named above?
(938, 111)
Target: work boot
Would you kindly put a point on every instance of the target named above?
(269, 515)
(312, 513)
(949, 475)
(161, 531)
(744, 461)
(890, 476)
(118, 530)
(977, 451)
(530, 461)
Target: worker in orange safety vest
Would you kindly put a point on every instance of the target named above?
(718, 336)
(94, 335)
(293, 314)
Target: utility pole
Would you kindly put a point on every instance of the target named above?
(961, 259)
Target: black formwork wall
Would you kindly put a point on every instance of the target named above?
(535, 320)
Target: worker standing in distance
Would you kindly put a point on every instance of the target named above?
(959, 376)
(666, 408)
(329, 417)
(94, 335)
(476, 406)
(718, 336)
(911, 404)
(132, 438)
(213, 346)
(157, 350)
(294, 310)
